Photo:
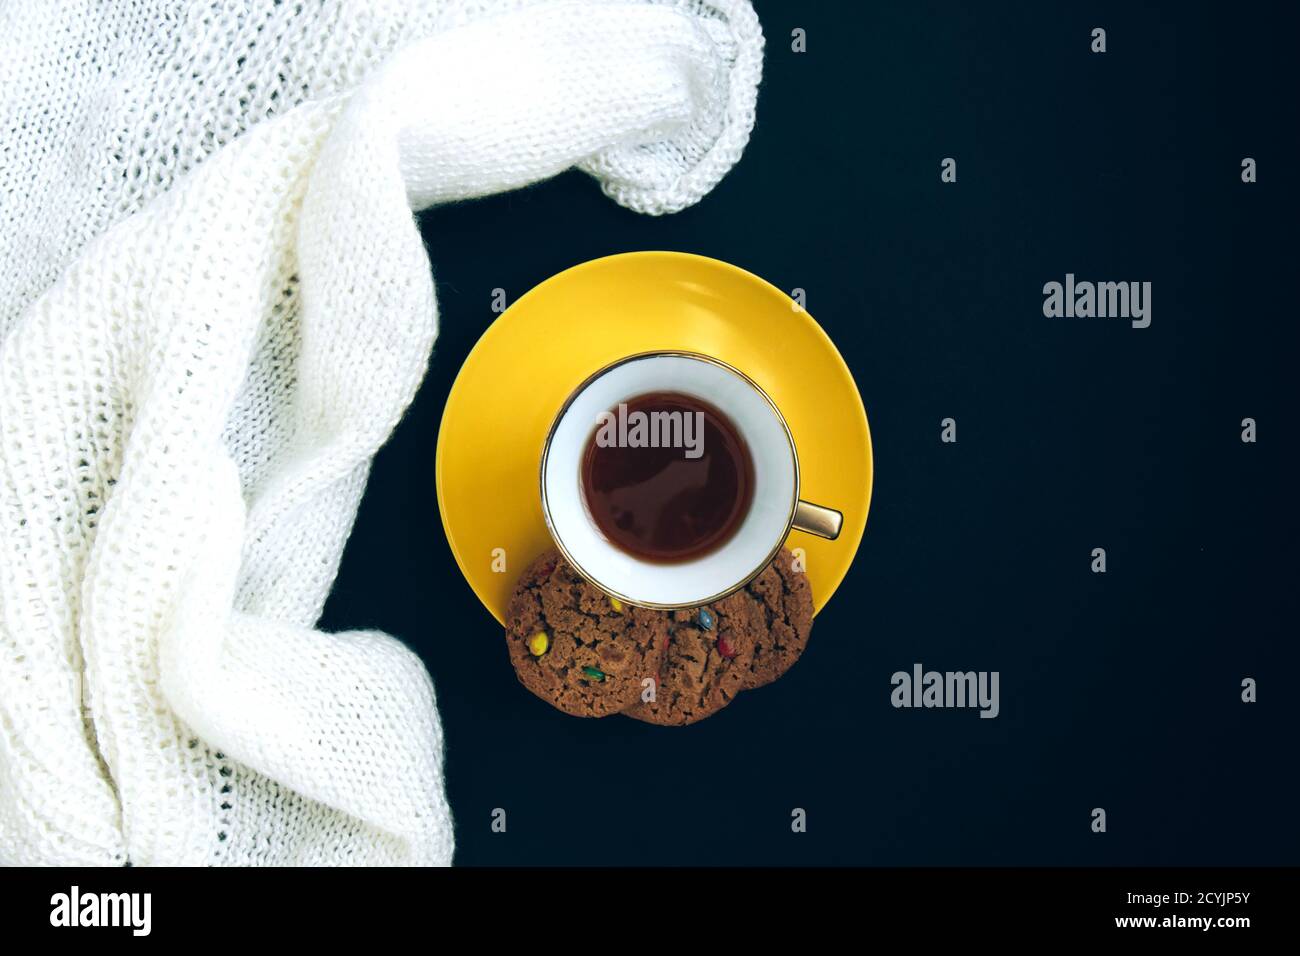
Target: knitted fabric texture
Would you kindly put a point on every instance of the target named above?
(215, 306)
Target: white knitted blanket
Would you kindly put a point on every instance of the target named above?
(215, 305)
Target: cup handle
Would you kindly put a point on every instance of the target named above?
(814, 519)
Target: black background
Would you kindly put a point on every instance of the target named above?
(1118, 690)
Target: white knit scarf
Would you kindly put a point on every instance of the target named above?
(215, 305)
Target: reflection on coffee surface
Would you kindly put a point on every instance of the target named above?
(667, 477)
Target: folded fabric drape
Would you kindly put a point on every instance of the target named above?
(214, 309)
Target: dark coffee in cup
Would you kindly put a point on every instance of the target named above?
(667, 477)
(681, 504)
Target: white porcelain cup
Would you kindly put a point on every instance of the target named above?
(774, 510)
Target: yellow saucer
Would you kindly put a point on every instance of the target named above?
(542, 347)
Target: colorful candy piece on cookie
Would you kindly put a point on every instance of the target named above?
(595, 655)
(747, 639)
(703, 669)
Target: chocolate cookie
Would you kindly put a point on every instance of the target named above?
(575, 647)
(787, 607)
(709, 661)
